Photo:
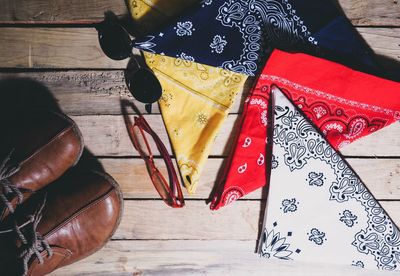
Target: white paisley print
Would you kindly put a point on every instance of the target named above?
(218, 44)
(257, 20)
(248, 27)
(319, 211)
(206, 3)
(184, 28)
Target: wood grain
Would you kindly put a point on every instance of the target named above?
(59, 11)
(153, 220)
(106, 135)
(191, 257)
(154, 239)
(381, 176)
(53, 48)
(372, 12)
(360, 12)
(79, 48)
(384, 142)
(80, 92)
(386, 44)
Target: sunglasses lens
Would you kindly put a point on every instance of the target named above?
(114, 41)
(140, 142)
(160, 185)
(144, 86)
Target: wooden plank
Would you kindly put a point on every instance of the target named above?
(152, 219)
(127, 258)
(372, 12)
(386, 44)
(53, 48)
(107, 136)
(132, 176)
(59, 11)
(360, 12)
(384, 142)
(77, 92)
(79, 48)
(381, 176)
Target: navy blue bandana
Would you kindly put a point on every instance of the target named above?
(237, 34)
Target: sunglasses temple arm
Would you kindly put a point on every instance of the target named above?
(173, 178)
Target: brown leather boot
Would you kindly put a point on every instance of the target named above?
(79, 214)
(45, 144)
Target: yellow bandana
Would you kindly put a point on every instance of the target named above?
(149, 14)
(195, 102)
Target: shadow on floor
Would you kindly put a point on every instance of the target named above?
(19, 99)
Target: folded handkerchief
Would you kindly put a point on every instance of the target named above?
(194, 104)
(318, 209)
(344, 104)
(236, 34)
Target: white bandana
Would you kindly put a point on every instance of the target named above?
(318, 209)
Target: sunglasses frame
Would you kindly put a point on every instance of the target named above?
(175, 199)
(104, 29)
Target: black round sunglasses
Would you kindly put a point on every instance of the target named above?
(116, 43)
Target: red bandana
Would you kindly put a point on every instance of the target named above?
(344, 104)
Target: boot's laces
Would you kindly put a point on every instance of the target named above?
(7, 169)
(32, 241)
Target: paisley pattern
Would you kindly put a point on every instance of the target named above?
(218, 44)
(342, 125)
(250, 28)
(231, 195)
(315, 179)
(194, 104)
(243, 26)
(247, 175)
(247, 142)
(338, 213)
(316, 236)
(348, 218)
(242, 168)
(184, 28)
(289, 205)
(332, 96)
(274, 162)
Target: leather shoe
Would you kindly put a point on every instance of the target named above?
(45, 144)
(66, 222)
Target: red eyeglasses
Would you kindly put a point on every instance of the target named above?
(170, 191)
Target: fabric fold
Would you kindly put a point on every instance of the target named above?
(195, 102)
(236, 35)
(315, 190)
(246, 169)
(344, 104)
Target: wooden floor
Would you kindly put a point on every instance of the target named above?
(51, 47)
